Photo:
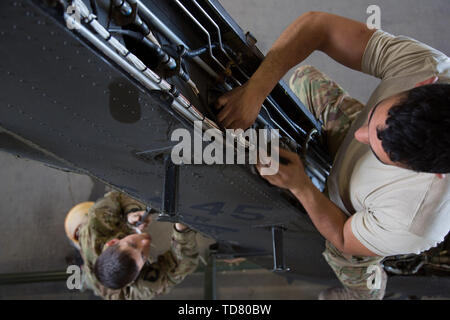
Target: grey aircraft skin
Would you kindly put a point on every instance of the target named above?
(69, 102)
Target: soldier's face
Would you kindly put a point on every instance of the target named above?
(367, 134)
(376, 119)
(137, 246)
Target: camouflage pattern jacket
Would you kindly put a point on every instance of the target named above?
(108, 220)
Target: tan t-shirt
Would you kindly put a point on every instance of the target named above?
(395, 211)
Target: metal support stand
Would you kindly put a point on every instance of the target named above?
(278, 254)
(169, 209)
(210, 289)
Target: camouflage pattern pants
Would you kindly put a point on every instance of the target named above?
(330, 104)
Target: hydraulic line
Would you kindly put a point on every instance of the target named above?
(123, 6)
(189, 14)
(146, 30)
(222, 46)
(130, 63)
(127, 14)
(162, 56)
(157, 23)
(185, 52)
(94, 7)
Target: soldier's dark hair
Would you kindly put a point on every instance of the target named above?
(115, 268)
(417, 132)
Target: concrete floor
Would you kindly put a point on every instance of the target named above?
(34, 198)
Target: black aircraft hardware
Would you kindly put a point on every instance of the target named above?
(97, 87)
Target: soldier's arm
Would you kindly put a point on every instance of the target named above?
(170, 269)
(113, 209)
(342, 39)
(185, 251)
(104, 218)
(129, 204)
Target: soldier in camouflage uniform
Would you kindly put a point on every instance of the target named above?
(109, 223)
(330, 104)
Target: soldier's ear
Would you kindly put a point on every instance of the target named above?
(428, 81)
(112, 242)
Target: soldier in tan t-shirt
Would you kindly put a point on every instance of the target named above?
(387, 192)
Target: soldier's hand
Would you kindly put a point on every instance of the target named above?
(291, 172)
(134, 217)
(180, 227)
(239, 107)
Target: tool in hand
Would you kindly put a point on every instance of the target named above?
(147, 212)
(144, 217)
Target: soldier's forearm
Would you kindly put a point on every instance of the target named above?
(295, 44)
(325, 215)
(185, 250)
(129, 204)
(184, 243)
(344, 40)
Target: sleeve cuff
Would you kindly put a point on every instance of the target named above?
(356, 224)
(369, 51)
(185, 235)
